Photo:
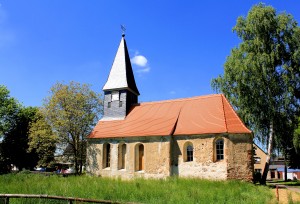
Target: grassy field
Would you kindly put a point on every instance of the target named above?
(172, 190)
(288, 183)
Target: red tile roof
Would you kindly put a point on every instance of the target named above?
(188, 116)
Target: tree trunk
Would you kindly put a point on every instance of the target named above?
(81, 156)
(285, 168)
(270, 148)
(75, 157)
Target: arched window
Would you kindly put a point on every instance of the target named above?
(139, 157)
(189, 153)
(219, 149)
(106, 155)
(122, 156)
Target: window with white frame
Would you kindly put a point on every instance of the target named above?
(219, 149)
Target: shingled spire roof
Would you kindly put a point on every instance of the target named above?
(121, 74)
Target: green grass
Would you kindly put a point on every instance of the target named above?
(291, 183)
(172, 190)
(287, 183)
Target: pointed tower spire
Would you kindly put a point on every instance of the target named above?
(120, 90)
(121, 74)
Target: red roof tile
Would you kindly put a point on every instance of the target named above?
(189, 116)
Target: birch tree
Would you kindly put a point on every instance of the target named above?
(261, 75)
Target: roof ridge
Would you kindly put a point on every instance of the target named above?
(259, 148)
(225, 118)
(176, 122)
(179, 99)
(235, 113)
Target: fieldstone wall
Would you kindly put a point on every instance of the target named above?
(237, 162)
(156, 157)
(240, 157)
(203, 164)
(165, 156)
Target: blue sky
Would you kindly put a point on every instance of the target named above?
(177, 46)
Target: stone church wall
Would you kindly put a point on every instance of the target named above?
(237, 162)
(165, 156)
(156, 157)
(203, 164)
(240, 159)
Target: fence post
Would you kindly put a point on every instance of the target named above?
(277, 194)
(6, 200)
(70, 202)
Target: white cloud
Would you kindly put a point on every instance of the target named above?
(141, 62)
(143, 70)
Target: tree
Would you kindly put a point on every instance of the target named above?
(72, 111)
(261, 75)
(295, 154)
(15, 142)
(42, 140)
(8, 110)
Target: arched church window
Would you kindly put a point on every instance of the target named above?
(106, 155)
(139, 157)
(189, 153)
(122, 156)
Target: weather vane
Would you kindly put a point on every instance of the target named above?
(123, 30)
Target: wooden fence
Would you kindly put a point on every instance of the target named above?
(4, 198)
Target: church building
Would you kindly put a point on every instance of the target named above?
(199, 137)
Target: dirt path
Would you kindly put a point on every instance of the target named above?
(286, 194)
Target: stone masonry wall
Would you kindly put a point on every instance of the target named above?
(239, 159)
(165, 156)
(203, 164)
(156, 157)
(237, 162)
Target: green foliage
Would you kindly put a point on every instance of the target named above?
(8, 110)
(296, 138)
(42, 139)
(294, 153)
(172, 190)
(15, 142)
(72, 110)
(262, 75)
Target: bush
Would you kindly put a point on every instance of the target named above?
(4, 167)
(24, 172)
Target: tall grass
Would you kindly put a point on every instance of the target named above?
(172, 190)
